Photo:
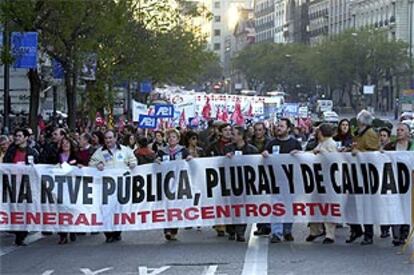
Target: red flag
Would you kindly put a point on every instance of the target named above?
(237, 115)
(250, 111)
(206, 112)
(182, 121)
(219, 114)
(225, 114)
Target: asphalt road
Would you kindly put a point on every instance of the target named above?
(199, 252)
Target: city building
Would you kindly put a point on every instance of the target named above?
(264, 14)
(340, 16)
(291, 21)
(225, 17)
(318, 20)
(243, 36)
(280, 20)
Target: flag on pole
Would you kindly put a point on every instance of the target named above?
(206, 112)
(182, 122)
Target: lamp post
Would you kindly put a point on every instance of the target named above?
(6, 75)
(411, 41)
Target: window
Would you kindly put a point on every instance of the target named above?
(217, 32)
(217, 5)
(217, 18)
(217, 46)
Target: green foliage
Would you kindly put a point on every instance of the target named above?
(343, 63)
(133, 40)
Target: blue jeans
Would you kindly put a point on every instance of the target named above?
(281, 229)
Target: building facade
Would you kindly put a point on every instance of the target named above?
(280, 21)
(318, 13)
(264, 14)
(225, 16)
(340, 16)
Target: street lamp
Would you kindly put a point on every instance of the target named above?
(6, 75)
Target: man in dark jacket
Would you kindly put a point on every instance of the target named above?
(285, 144)
(238, 147)
(50, 154)
(20, 152)
(217, 149)
(260, 140)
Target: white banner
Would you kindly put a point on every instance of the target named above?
(138, 109)
(370, 188)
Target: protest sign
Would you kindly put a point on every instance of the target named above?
(371, 188)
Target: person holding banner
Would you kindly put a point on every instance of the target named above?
(217, 149)
(260, 140)
(403, 143)
(67, 154)
(113, 155)
(50, 153)
(326, 144)
(4, 144)
(20, 153)
(192, 145)
(173, 151)
(365, 140)
(284, 144)
(344, 134)
(159, 141)
(384, 139)
(237, 148)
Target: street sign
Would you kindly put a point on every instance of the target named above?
(24, 49)
(58, 72)
(369, 89)
(145, 87)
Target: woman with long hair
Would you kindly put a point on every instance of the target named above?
(67, 153)
(344, 134)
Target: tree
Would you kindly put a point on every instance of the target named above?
(133, 39)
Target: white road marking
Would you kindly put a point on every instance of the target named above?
(255, 261)
(143, 270)
(87, 271)
(211, 270)
(30, 239)
(48, 272)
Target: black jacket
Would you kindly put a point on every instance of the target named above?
(247, 149)
(50, 154)
(10, 153)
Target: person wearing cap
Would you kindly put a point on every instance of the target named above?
(365, 140)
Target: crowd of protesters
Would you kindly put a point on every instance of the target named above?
(108, 148)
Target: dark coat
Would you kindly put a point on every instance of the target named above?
(11, 151)
(247, 149)
(50, 154)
